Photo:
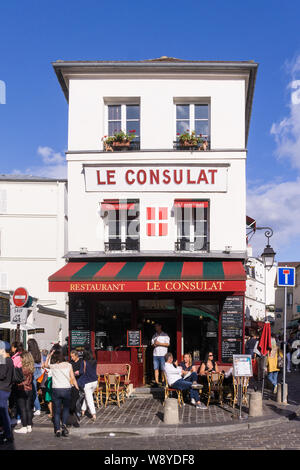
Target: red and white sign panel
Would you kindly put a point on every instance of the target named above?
(193, 178)
(20, 297)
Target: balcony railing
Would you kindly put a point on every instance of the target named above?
(198, 147)
(122, 147)
(116, 245)
(186, 245)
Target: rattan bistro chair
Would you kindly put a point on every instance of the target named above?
(236, 382)
(169, 390)
(215, 384)
(114, 392)
(98, 393)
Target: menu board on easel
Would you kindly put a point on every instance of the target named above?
(232, 328)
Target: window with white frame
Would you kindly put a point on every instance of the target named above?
(123, 117)
(192, 225)
(192, 117)
(122, 224)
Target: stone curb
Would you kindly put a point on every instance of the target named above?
(178, 430)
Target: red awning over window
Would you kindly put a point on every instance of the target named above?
(116, 205)
(190, 203)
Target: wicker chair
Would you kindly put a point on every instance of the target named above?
(215, 384)
(114, 392)
(169, 390)
(236, 382)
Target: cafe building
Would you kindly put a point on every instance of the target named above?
(156, 217)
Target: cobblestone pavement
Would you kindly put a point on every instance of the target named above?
(138, 414)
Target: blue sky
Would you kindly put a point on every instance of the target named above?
(33, 122)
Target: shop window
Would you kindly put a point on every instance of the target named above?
(192, 225)
(200, 328)
(113, 319)
(122, 225)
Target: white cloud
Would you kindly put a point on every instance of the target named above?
(53, 165)
(49, 156)
(278, 204)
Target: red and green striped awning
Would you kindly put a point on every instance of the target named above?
(149, 276)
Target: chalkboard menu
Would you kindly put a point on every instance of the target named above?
(80, 338)
(134, 338)
(4, 309)
(79, 314)
(232, 328)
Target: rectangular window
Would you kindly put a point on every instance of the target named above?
(192, 225)
(192, 117)
(126, 118)
(122, 224)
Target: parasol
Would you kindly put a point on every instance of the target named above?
(264, 346)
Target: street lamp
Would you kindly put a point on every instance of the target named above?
(268, 254)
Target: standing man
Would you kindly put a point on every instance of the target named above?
(160, 342)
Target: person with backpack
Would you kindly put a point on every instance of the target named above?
(6, 381)
(36, 354)
(88, 381)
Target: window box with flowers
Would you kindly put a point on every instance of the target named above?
(189, 140)
(119, 141)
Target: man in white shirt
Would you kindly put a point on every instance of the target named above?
(160, 342)
(175, 380)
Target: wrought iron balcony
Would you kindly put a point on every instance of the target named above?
(186, 245)
(130, 244)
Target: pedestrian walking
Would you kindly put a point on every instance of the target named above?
(88, 382)
(6, 381)
(24, 393)
(62, 380)
(272, 364)
(33, 348)
(17, 349)
(75, 407)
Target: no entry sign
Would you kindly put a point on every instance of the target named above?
(20, 297)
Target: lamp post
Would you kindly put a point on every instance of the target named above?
(268, 257)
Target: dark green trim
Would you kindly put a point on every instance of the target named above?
(88, 271)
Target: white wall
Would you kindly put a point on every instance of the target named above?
(156, 95)
(32, 245)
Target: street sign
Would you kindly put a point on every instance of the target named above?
(20, 297)
(18, 315)
(285, 277)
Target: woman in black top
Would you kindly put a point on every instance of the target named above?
(209, 364)
(6, 380)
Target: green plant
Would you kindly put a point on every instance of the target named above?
(190, 138)
(120, 136)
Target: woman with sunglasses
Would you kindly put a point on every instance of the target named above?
(208, 365)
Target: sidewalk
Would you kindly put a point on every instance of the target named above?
(144, 416)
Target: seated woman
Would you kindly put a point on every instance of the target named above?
(189, 370)
(208, 365)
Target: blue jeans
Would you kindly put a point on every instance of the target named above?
(273, 377)
(159, 362)
(36, 375)
(61, 398)
(5, 419)
(192, 378)
(182, 385)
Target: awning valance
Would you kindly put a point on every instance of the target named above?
(149, 276)
(189, 203)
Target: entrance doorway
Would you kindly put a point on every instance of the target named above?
(146, 322)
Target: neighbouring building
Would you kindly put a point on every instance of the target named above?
(33, 241)
(156, 226)
(292, 302)
(260, 292)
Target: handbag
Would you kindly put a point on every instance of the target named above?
(280, 362)
(18, 376)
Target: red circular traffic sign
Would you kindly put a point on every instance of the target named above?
(20, 297)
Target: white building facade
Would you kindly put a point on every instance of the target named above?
(160, 227)
(33, 240)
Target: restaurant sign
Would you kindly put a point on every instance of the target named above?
(147, 286)
(192, 178)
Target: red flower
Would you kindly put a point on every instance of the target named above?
(178, 133)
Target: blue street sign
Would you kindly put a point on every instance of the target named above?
(285, 277)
